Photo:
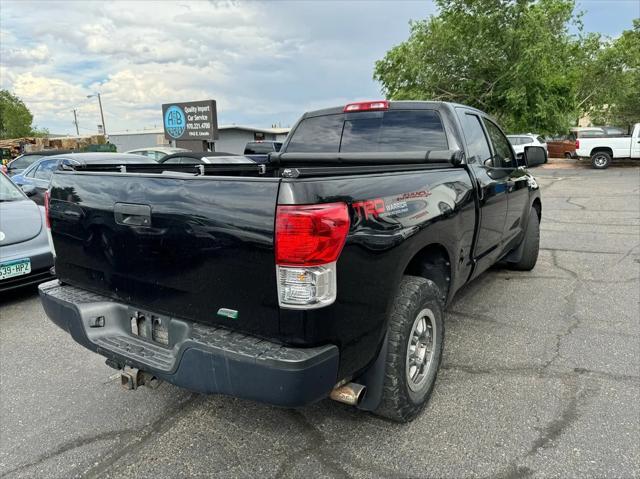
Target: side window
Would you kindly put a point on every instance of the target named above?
(174, 161)
(29, 172)
(45, 170)
(526, 140)
(503, 156)
(478, 148)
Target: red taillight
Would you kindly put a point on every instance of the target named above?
(46, 208)
(310, 235)
(367, 106)
(577, 144)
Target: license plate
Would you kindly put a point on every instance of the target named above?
(17, 267)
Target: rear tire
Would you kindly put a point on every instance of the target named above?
(568, 155)
(600, 160)
(415, 344)
(531, 246)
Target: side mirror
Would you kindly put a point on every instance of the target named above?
(457, 158)
(29, 190)
(534, 156)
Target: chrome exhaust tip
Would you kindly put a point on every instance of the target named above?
(350, 393)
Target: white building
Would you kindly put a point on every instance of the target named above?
(231, 138)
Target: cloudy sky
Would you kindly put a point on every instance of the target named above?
(264, 62)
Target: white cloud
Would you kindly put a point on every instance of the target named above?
(263, 62)
(26, 56)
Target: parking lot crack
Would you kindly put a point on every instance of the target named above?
(537, 371)
(553, 430)
(315, 443)
(71, 445)
(142, 436)
(573, 320)
(575, 204)
(549, 434)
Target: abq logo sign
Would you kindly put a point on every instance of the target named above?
(175, 121)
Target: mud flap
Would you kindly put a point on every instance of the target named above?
(373, 379)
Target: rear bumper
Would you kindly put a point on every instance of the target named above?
(206, 359)
(41, 263)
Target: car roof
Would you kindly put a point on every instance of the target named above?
(47, 152)
(100, 158)
(195, 154)
(163, 149)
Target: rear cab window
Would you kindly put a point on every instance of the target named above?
(374, 131)
(259, 148)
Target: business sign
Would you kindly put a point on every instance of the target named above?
(194, 120)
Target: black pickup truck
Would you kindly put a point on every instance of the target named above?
(322, 273)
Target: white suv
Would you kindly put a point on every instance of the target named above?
(527, 139)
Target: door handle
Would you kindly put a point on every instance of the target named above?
(72, 214)
(128, 214)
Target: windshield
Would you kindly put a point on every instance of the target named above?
(9, 191)
(380, 131)
(25, 161)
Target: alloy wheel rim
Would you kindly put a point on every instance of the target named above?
(600, 160)
(420, 349)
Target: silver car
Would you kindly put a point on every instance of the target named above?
(526, 139)
(25, 254)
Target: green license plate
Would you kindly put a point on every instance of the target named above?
(17, 267)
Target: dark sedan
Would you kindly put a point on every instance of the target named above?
(25, 255)
(39, 174)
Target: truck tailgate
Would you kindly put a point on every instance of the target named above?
(181, 246)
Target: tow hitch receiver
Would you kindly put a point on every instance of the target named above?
(132, 378)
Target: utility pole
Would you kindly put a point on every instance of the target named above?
(75, 122)
(104, 128)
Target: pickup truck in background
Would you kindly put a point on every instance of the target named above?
(322, 273)
(601, 150)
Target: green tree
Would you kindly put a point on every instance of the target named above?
(15, 117)
(515, 59)
(612, 84)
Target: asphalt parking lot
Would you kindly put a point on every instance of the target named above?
(540, 378)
